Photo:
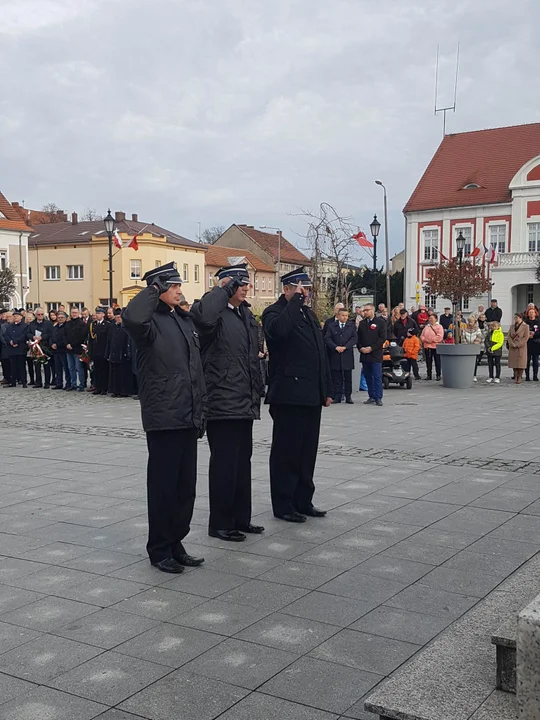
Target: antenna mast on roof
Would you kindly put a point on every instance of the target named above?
(444, 110)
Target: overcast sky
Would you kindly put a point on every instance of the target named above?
(245, 111)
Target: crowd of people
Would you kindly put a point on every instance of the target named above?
(80, 352)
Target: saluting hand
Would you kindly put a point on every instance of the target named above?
(301, 289)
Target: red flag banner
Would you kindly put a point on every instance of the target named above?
(133, 243)
(362, 240)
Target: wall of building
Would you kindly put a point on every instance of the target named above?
(235, 238)
(43, 292)
(262, 292)
(10, 254)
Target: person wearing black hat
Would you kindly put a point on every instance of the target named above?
(97, 349)
(494, 312)
(403, 325)
(16, 339)
(172, 394)
(230, 353)
(119, 356)
(299, 385)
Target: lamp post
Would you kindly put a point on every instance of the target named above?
(388, 298)
(460, 244)
(375, 226)
(109, 229)
(279, 234)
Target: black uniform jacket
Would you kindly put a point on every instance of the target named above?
(230, 347)
(119, 344)
(170, 374)
(337, 337)
(16, 333)
(298, 368)
(372, 333)
(97, 339)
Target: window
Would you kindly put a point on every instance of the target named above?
(3, 261)
(185, 273)
(29, 274)
(196, 277)
(471, 186)
(104, 302)
(430, 301)
(467, 234)
(75, 272)
(135, 269)
(431, 244)
(465, 303)
(263, 283)
(530, 294)
(78, 305)
(270, 285)
(52, 272)
(256, 282)
(497, 237)
(534, 237)
(53, 306)
(158, 263)
(210, 280)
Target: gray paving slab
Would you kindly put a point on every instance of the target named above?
(265, 707)
(411, 627)
(432, 601)
(264, 595)
(218, 616)
(328, 608)
(48, 614)
(287, 632)
(159, 603)
(44, 702)
(13, 687)
(105, 628)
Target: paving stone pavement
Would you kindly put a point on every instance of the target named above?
(433, 500)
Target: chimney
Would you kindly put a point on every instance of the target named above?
(62, 216)
(135, 217)
(119, 216)
(74, 218)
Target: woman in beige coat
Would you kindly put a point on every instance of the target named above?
(517, 347)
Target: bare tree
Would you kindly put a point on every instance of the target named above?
(329, 237)
(211, 235)
(91, 214)
(7, 284)
(52, 211)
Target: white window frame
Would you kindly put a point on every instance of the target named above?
(75, 272)
(196, 274)
(533, 234)
(497, 239)
(135, 274)
(430, 301)
(3, 260)
(431, 237)
(185, 273)
(466, 302)
(211, 279)
(158, 263)
(256, 282)
(270, 285)
(52, 275)
(53, 306)
(468, 234)
(263, 281)
(78, 305)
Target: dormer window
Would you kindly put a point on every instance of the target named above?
(471, 186)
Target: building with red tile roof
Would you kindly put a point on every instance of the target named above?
(263, 276)
(486, 185)
(14, 234)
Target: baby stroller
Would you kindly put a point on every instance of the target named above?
(392, 367)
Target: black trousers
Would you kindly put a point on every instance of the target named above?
(231, 446)
(30, 368)
(431, 355)
(494, 363)
(532, 358)
(342, 381)
(171, 482)
(46, 372)
(411, 364)
(295, 440)
(101, 375)
(6, 369)
(18, 369)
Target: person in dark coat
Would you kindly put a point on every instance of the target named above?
(173, 398)
(59, 347)
(6, 363)
(494, 312)
(39, 330)
(230, 355)
(340, 338)
(97, 347)
(76, 334)
(533, 344)
(16, 345)
(446, 319)
(119, 356)
(299, 385)
(371, 337)
(403, 325)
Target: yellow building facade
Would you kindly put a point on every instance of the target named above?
(69, 263)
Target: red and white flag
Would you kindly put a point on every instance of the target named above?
(478, 252)
(491, 255)
(133, 242)
(117, 239)
(362, 240)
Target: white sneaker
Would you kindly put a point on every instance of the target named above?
(497, 380)
(489, 380)
(475, 379)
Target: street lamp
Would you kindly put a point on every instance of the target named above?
(279, 234)
(375, 226)
(460, 244)
(388, 299)
(109, 229)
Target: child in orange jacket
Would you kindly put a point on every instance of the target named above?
(411, 346)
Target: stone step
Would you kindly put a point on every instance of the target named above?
(453, 677)
(504, 639)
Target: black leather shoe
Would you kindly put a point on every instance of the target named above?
(314, 512)
(349, 401)
(378, 403)
(169, 565)
(336, 402)
(294, 517)
(188, 560)
(369, 402)
(228, 535)
(253, 529)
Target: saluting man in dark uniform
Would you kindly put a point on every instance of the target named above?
(230, 353)
(172, 394)
(299, 385)
(97, 345)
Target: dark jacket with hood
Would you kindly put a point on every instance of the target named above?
(230, 355)
(170, 374)
(298, 369)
